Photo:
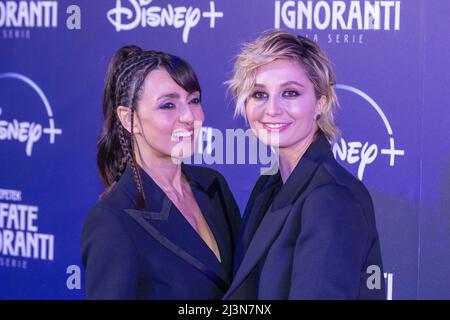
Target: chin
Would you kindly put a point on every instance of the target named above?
(182, 150)
(270, 139)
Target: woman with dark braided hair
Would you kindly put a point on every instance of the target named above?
(162, 229)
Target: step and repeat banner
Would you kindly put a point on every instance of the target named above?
(392, 64)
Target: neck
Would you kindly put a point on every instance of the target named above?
(290, 156)
(163, 170)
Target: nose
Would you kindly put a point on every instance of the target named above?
(186, 115)
(273, 107)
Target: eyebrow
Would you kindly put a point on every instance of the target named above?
(174, 95)
(285, 84)
(292, 82)
(169, 95)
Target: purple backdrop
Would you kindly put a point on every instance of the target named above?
(391, 61)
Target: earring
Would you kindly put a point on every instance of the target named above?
(318, 117)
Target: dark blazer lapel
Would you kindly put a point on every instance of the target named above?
(152, 215)
(273, 220)
(154, 218)
(275, 217)
(254, 213)
(209, 202)
(211, 274)
(299, 179)
(261, 241)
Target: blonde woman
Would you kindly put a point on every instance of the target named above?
(309, 231)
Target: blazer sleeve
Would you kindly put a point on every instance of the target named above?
(332, 246)
(109, 257)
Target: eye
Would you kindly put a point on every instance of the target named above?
(259, 95)
(167, 105)
(290, 93)
(195, 101)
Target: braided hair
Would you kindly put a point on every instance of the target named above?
(124, 82)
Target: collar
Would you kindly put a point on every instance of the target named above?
(154, 219)
(298, 180)
(155, 198)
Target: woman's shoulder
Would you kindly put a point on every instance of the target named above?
(334, 175)
(117, 199)
(108, 217)
(113, 203)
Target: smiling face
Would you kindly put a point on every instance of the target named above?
(168, 118)
(282, 106)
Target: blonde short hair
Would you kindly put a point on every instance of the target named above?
(278, 44)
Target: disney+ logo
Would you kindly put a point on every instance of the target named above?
(129, 14)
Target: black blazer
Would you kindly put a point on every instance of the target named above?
(311, 238)
(154, 253)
